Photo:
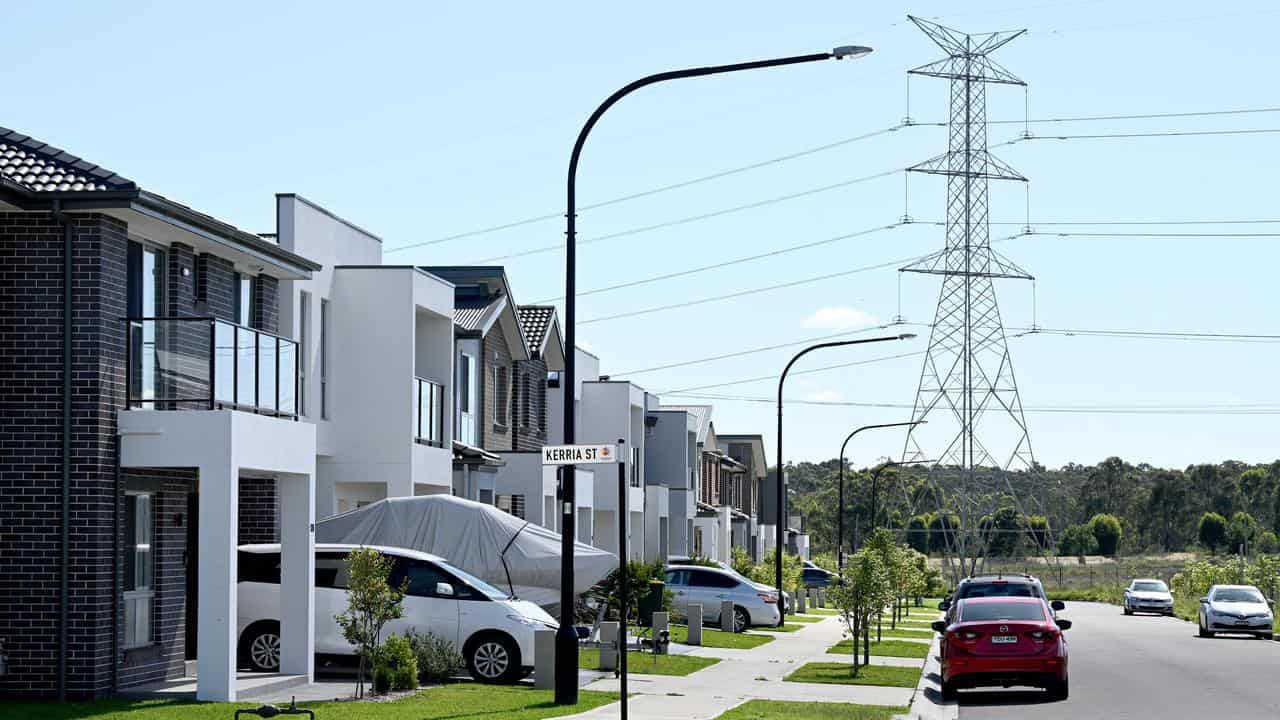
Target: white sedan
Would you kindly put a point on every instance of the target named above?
(1235, 609)
(1148, 595)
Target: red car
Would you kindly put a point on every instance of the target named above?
(1003, 641)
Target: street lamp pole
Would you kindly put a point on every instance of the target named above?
(779, 530)
(566, 690)
(840, 514)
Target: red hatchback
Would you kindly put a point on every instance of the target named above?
(1003, 641)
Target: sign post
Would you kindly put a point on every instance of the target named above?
(565, 457)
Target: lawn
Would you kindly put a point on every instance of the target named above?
(909, 633)
(886, 648)
(822, 611)
(721, 639)
(805, 618)
(646, 663)
(789, 627)
(772, 709)
(455, 702)
(841, 674)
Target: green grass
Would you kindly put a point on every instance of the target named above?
(909, 633)
(842, 674)
(646, 663)
(789, 627)
(823, 611)
(885, 648)
(806, 618)
(455, 702)
(773, 709)
(721, 639)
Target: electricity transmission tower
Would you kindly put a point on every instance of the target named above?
(967, 388)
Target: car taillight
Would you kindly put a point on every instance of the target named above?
(771, 599)
(1043, 635)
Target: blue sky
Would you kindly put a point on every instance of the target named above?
(423, 120)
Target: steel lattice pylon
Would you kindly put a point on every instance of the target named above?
(967, 389)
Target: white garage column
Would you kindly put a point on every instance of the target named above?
(216, 572)
(297, 570)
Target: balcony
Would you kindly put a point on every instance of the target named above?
(203, 363)
(428, 412)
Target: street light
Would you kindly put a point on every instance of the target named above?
(566, 637)
(840, 513)
(781, 479)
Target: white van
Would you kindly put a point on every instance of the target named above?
(493, 632)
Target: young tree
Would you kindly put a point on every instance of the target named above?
(1107, 530)
(1038, 530)
(1078, 540)
(1212, 531)
(918, 532)
(371, 604)
(861, 594)
(1241, 531)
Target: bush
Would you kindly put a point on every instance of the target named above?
(395, 666)
(1078, 540)
(1268, 543)
(436, 657)
(639, 574)
(1107, 531)
(1241, 531)
(1212, 531)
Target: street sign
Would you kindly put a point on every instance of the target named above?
(578, 454)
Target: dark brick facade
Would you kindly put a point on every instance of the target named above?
(266, 310)
(495, 358)
(31, 462)
(259, 511)
(529, 408)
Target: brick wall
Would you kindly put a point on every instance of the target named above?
(530, 405)
(266, 307)
(217, 283)
(259, 511)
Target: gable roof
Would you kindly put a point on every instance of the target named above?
(483, 297)
(542, 332)
(759, 460)
(41, 167)
(476, 313)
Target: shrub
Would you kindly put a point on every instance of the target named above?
(1212, 531)
(1268, 543)
(1078, 540)
(639, 575)
(1241, 531)
(1106, 529)
(436, 657)
(395, 666)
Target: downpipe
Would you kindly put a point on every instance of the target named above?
(64, 600)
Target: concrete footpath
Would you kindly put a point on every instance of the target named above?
(743, 675)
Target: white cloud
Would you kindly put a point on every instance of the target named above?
(824, 396)
(840, 317)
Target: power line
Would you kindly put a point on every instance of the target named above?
(751, 351)
(1157, 234)
(743, 293)
(1141, 116)
(728, 263)
(1171, 133)
(1221, 409)
(774, 376)
(656, 190)
(694, 218)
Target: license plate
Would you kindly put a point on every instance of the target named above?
(1004, 639)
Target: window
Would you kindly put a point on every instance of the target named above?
(467, 400)
(324, 359)
(304, 348)
(635, 467)
(677, 577)
(501, 396)
(332, 570)
(702, 578)
(242, 300)
(139, 569)
(513, 504)
(258, 567)
(145, 290)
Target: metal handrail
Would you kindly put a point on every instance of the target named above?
(211, 399)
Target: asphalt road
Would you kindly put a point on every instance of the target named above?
(1149, 668)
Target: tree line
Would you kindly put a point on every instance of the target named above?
(1108, 508)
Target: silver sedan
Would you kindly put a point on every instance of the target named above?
(1148, 595)
(1236, 609)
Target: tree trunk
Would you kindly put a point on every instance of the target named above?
(866, 645)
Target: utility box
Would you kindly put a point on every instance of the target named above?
(651, 602)
(695, 624)
(544, 659)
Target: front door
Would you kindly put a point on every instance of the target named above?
(191, 561)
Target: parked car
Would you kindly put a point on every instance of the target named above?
(1235, 609)
(1015, 585)
(753, 604)
(1004, 641)
(1148, 595)
(686, 560)
(493, 632)
(816, 577)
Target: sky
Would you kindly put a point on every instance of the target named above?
(423, 121)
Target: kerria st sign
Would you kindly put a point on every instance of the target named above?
(578, 454)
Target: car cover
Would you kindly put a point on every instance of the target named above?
(476, 538)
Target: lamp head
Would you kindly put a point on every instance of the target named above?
(850, 51)
(907, 336)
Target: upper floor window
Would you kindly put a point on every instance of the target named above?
(242, 300)
(501, 396)
(304, 348)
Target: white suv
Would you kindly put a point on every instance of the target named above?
(493, 632)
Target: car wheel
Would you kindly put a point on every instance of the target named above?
(1059, 690)
(1127, 611)
(493, 658)
(741, 619)
(260, 646)
(1267, 636)
(949, 691)
(1204, 631)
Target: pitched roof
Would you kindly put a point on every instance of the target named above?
(40, 167)
(473, 313)
(535, 320)
(701, 413)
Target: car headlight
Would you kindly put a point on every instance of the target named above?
(531, 622)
